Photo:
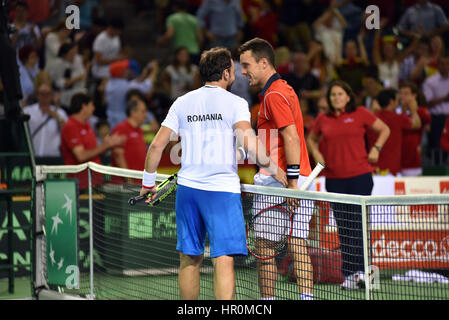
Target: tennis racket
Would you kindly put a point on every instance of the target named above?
(165, 188)
(269, 231)
(271, 228)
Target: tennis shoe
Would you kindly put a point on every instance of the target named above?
(354, 281)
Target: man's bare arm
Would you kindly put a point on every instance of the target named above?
(154, 153)
(257, 151)
(292, 149)
(83, 155)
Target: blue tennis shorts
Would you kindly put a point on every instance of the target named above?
(219, 214)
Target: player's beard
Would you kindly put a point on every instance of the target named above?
(230, 85)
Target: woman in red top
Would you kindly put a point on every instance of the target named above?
(348, 167)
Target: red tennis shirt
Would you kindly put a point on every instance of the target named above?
(411, 142)
(135, 146)
(344, 148)
(390, 155)
(75, 133)
(279, 107)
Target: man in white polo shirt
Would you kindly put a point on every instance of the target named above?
(46, 122)
(210, 121)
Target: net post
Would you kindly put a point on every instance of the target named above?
(365, 250)
(38, 234)
(91, 235)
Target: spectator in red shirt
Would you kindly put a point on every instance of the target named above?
(263, 21)
(348, 167)
(78, 140)
(389, 162)
(411, 139)
(131, 154)
(39, 10)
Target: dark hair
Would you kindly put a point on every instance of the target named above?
(77, 102)
(410, 85)
(99, 21)
(350, 106)
(102, 122)
(175, 62)
(213, 62)
(271, 4)
(116, 23)
(135, 92)
(259, 48)
(372, 72)
(181, 5)
(385, 96)
(420, 98)
(22, 4)
(25, 52)
(130, 106)
(65, 48)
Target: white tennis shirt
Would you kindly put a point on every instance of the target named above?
(204, 119)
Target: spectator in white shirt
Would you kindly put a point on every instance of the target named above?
(181, 76)
(107, 49)
(329, 29)
(54, 40)
(46, 122)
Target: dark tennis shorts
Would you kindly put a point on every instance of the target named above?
(219, 214)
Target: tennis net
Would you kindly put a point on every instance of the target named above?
(357, 247)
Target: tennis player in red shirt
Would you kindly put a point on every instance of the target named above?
(78, 140)
(348, 167)
(280, 127)
(411, 160)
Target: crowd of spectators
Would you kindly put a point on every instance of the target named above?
(316, 41)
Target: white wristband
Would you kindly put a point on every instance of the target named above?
(148, 180)
(244, 155)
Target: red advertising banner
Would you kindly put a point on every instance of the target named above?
(410, 249)
(444, 187)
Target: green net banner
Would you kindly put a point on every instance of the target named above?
(61, 212)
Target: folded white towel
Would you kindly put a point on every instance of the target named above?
(421, 277)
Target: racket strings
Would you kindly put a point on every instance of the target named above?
(269, 232)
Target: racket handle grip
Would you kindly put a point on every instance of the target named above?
(132, 201)
(315, 172)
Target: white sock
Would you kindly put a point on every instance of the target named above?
(306, 296)
(272, 298)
